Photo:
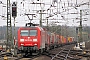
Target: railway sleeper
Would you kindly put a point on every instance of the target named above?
(73, 58)
(66, 52)
(59, 58)
(6, 53)
(80, 53)
(47, 54)
(77, 50)
(84, 55)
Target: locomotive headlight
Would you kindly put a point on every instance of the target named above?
(21, 40)
(35, 44)
(34, 40)
(22, 44)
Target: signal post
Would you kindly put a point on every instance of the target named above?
(14, 15)
(80, 28)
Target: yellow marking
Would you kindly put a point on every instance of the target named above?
(84, 52)
(8, 50)
(5, 57)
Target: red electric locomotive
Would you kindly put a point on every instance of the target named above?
(31, 39)
(35, 39)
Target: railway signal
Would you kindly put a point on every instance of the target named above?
(14, 9)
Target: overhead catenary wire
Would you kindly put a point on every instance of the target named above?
(58, 8)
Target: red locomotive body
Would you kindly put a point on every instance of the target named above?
(31, 39)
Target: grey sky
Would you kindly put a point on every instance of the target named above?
(24, 6)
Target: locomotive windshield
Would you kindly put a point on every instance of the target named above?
(28, 32)
(33, 33)
(24, 32)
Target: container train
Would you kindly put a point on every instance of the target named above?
(35, 39)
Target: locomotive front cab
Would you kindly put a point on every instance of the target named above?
(27, 40)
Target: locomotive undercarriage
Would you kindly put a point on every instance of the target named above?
(28, 49)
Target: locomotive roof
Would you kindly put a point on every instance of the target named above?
(34, 27)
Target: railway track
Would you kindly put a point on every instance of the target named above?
(65, 55)
(68, 54)
(29, 57)
(20, 56)
(62, 53)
